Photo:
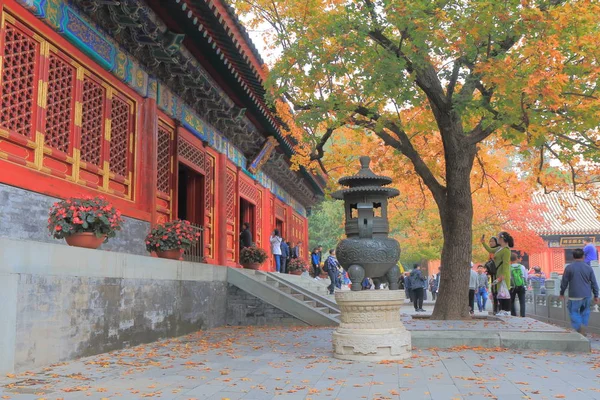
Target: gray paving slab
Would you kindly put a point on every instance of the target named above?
(296, 363)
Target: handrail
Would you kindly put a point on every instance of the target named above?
(196, 252)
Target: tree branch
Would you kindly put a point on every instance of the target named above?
(404, 145)
(453, 79)
(590, 145)
(426, 76)
(318, 152)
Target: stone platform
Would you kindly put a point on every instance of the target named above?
(370, 329)
(492, 332)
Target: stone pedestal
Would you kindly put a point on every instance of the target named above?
(370, 327)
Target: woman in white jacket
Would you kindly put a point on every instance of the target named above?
(275, 240)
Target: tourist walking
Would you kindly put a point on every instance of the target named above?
(332, 267)
(481, 293)
(472, 289)
(276, 240)
(438, 278)
(245, 236)
(491, 248)
(407, 288)
(518, 277)
(590, 253)
(502, 265)
(315, 261)
(416, 283)
(580, 279)
(285, 255)
(295, 250)
(433, 287)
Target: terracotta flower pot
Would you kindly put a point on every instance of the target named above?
(251, 266)
(297, 272)
(173, 254)
(88, 240)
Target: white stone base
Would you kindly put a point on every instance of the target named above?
(370, 327)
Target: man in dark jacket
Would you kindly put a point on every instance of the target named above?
(581, 281)
(295, 250)
(285, 256)
(331, 266)
(416, 285)
(245, 236)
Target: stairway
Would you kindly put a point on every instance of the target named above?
(301, 302)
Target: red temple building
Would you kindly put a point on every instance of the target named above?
(157, 105)
(568, 221)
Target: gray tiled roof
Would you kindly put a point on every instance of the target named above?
(567, 214)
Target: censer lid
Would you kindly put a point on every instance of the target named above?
(365, 181)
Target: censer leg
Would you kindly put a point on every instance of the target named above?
(356, 274)
(393, 275)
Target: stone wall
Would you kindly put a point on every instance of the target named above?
(24, 215)
(551, 309)
(61, 303)
(244, 309)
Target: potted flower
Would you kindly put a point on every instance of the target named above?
(252, 257)
(297, 266)
(167, 240)
(84, 222)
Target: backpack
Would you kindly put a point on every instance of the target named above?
(516, 275)
(491, 267)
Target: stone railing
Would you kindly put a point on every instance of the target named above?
(550, 308)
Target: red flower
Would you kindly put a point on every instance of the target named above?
(58, 228)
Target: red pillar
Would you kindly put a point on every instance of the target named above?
(220, 209)
(149, 150)
(305, 250)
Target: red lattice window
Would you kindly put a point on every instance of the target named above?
(163, 159)
(59, 106)
(279, 211)
(208, 180)
(92, 125)
(191, 153)
(535, 259)
(558, 259)
(230, 195)
(249, 191)
(19, 70)
(120, 129)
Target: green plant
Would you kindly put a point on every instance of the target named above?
(177, 234)
(88, 214)
(297, 264)
(253, 255)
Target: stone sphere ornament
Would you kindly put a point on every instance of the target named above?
(367, 251)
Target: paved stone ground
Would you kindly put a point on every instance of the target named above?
(482, 323)
(295, 363)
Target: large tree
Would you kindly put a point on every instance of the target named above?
(447, 77)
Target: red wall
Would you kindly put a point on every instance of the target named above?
(135, 155)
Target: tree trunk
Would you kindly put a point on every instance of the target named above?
(456, 213)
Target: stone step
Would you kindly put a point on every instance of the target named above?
(280, 295)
